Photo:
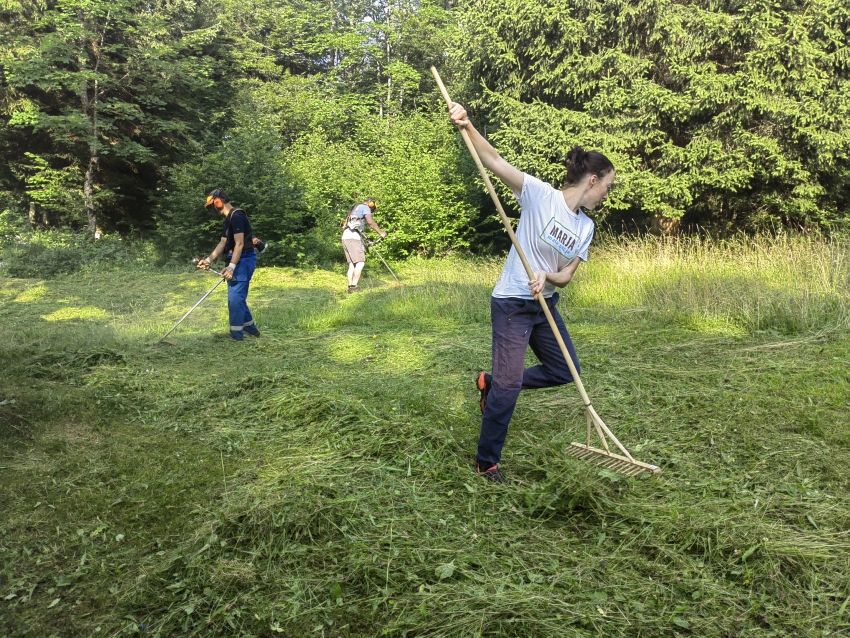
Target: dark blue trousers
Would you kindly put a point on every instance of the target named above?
(517, 324)
(237, 295)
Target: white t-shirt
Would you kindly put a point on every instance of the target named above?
(356, 222)
(551, 236)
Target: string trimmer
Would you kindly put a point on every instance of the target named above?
(208, 293)
(371, 245)
(623, 463)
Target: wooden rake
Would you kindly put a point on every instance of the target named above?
(623, 463)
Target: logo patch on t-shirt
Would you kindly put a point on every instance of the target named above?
(560, 238)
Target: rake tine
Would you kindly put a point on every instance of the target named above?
(609, 460)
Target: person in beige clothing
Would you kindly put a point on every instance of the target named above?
(352, 239)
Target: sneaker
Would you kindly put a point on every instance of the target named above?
(493, 474)
(352, 289)
(483, 383)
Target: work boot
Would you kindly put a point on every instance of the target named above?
(352, 289)
(252, 330)
(483, 383)
(492, 474)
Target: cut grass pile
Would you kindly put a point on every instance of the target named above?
(318, 481)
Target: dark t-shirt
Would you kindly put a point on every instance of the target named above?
(237, 222)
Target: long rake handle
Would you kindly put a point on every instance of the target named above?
(507, 224)
(174, 327)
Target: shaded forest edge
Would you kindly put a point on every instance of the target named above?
(117, 117)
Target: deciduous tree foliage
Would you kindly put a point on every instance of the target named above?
(341, 104)
(97, 97)
(377, 48)
(136, 109)
(298, 156)
(728, 113)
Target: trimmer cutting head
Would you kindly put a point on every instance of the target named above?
(611, 461)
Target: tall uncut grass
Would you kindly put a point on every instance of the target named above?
(788, 283)
(743, 284)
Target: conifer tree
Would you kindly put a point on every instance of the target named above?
(731, 113)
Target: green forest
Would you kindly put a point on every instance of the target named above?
(116, 118)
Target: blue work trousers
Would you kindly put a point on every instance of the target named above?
(517, 324)
(241, 320)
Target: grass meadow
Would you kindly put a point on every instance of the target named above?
(318, 481)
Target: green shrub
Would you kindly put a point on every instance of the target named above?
(297, 165)
(45, 254)
(13, 226)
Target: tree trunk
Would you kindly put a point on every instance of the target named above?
(389, 62)
(662, 225)
(88, 194)
(401, 90)
(90, 110)
(380, 102)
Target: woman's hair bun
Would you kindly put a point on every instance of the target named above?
(581, 162)
(577, 158)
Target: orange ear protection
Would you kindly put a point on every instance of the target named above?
(216, 198)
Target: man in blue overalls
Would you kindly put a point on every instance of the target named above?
(237, 244)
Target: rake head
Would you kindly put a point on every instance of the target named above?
(611, 461)
(167, 342)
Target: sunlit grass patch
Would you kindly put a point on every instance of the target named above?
(349, 349)
(29, 295)
(85, 313)
(278, 278)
